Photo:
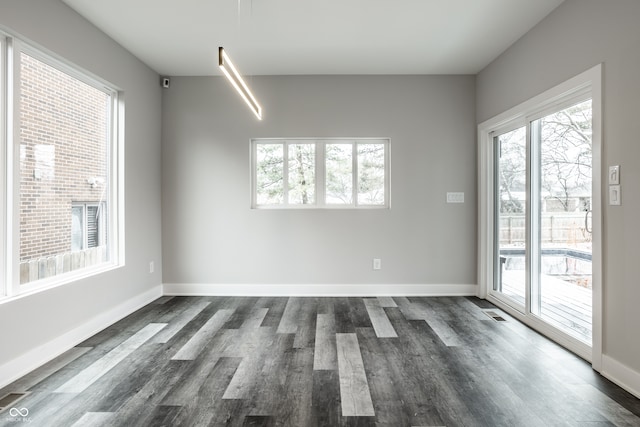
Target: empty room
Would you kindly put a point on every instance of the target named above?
(319, 213)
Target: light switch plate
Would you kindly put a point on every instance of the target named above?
(615, 195)
(614, 175)
(455, 197)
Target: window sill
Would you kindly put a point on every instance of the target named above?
(61, 280)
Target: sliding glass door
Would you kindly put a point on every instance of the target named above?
(542, 186)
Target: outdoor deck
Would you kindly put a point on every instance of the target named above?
(564, 304)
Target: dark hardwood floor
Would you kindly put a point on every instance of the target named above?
(217, 361)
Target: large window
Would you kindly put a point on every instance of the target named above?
(59, 137)
(320, 173)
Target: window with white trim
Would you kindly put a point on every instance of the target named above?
(59, 145)
(320, 173)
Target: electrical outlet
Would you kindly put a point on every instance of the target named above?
(152, 267)
(377, 264)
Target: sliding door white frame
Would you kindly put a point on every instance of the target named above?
(588, 82)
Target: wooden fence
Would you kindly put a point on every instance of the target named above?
(557, 227)
(63, 263)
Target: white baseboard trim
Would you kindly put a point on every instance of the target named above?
(317, 290)
(33, 359)
(621, 374)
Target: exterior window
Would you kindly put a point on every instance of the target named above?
(330, 173)
(62, 153)
(65, 143)
(87, 226)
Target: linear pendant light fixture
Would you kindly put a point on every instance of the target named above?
(236, 80)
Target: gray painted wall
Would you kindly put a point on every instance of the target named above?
(211, 236)
(575, 37)
(31, 321)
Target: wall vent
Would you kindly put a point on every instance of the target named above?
(495, 316)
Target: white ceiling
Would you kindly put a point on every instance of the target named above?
(278, 37)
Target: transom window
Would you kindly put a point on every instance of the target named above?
(320, 173)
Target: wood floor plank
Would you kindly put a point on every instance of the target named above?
(255, 318)
(435, 316)
(94, 419)
(379, 319)
(276, 306)
(344, 321)
(201, 409)
(358, 313)
(306, 319)
(271, 378)
(354, 389)
(387, 302)
(163, 300)
(193, 373)
(325, 356)
(446, 334)
(152, 394)
(408, 309)
(120, 384)
(194, 346)
(325, 407)
(179, 322)
(242, 309)
(252, 346)
(165, 415)
(609, 408)
(288, 323)
(243, 380)
(111, 359)
(295, 408)
(390, 404)
(258, 421)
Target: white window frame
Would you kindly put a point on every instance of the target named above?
(11, 45)
(5, 224)
(320, 173)
(585, 85)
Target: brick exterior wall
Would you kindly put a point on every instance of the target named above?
(63, 144)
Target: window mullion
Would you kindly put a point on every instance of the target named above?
(387, 174)
(254, 166)
(354, 173)
(320, 171)
(285, 173)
